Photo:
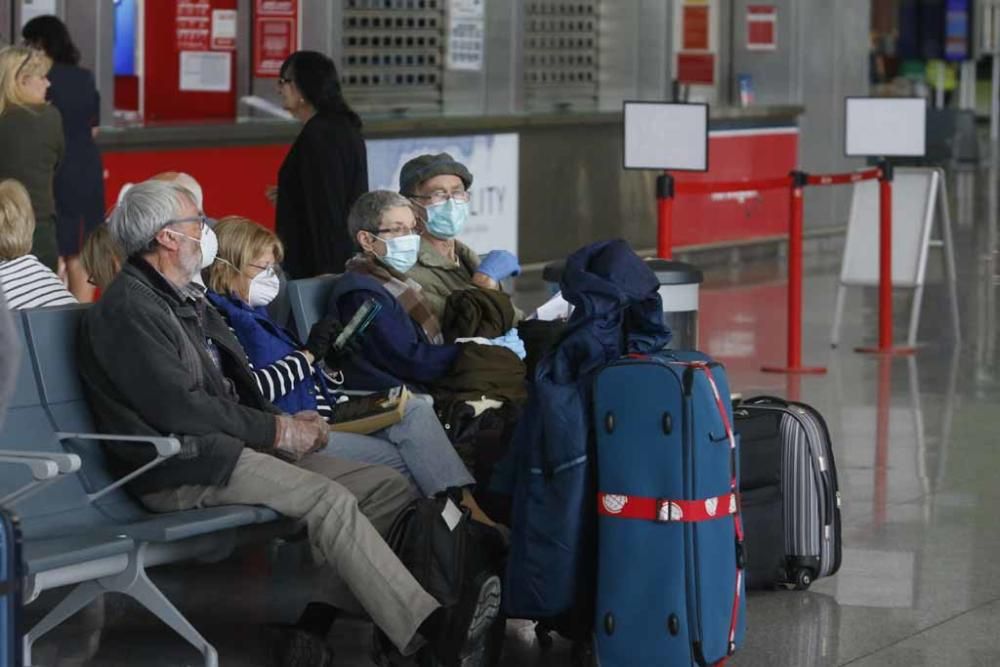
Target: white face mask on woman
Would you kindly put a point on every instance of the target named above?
(263, 288)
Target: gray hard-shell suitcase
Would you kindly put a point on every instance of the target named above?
(806, 507)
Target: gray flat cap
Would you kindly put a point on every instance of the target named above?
(424, 167)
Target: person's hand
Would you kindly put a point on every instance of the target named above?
(298, 437)
(499, 265)
(271, 192)
(322, 335)
(308, 416)
(484, 281)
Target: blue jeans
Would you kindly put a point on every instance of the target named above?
(416, 446)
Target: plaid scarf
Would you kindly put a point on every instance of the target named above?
(405, 290)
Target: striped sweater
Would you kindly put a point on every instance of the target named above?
(285, 374)
(27, 283)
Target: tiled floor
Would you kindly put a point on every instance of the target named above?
(920, 583)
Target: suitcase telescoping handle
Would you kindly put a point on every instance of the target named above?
(757, 400)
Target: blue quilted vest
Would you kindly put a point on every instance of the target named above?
(265, 343)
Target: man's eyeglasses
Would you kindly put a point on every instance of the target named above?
(282, 81)
(441, 196)
(200, 218)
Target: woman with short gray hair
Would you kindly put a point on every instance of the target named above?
(404, 344)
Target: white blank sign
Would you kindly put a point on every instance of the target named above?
(666, 136)
(885, 126)
(914, 193)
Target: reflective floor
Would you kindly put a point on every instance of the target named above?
(918, 452)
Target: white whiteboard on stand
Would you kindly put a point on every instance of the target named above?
(914, 196)
(885, 126)
(661, 135)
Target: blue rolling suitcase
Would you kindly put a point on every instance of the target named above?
(670, 587)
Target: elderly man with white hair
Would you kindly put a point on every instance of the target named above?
(156, 359)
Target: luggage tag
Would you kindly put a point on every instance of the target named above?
(451, 514)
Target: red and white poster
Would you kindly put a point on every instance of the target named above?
(193, 25)
(762, 28)
(696, 68)
(224, 29)
(696, 28)
(275, 35)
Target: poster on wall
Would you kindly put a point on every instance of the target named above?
(696, 68)
(762, 28)
(275, 35)
(493, 161)
(696, 28)
(193, 25)
(224, 29)
(466, 29)
(206, 71)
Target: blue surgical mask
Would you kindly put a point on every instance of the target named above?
(447, 219)
(401, 252)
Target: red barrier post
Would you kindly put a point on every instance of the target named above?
(794, 314)
(665, 215)
(885, 345)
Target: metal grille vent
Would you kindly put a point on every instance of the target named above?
(393, 51)
(560, 45)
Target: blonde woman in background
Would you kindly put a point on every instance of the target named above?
(31, 135)
(26, 282)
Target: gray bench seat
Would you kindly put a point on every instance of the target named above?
(85, 529)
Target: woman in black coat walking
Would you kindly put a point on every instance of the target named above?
(79, 180)
(325, 171)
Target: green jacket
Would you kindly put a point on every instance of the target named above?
(439, 276)
(33, 146)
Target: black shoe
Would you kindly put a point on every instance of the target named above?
(291, 646)
(471, 623)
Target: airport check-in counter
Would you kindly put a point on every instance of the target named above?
(545, 184)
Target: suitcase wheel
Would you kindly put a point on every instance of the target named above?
(802, 580)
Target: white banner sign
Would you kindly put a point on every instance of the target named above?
(466, 30)
(493, 161)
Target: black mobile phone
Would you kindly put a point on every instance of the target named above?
(357, 324)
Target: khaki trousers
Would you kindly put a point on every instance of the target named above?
(341, 504)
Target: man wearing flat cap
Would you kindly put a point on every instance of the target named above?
(439, 185)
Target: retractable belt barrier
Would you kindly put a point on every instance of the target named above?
(796, 182)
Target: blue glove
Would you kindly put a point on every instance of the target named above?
(512, 341)
(499, 264)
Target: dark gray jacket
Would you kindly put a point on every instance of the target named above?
(144, 356)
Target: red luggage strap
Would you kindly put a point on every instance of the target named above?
(650, 508)
(666, 511)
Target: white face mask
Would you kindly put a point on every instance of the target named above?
(263, 288)
(208, 243)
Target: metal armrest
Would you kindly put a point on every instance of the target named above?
(67, 463)
(45, 469)
(166, 447)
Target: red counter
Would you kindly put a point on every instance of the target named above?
(738, 155)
